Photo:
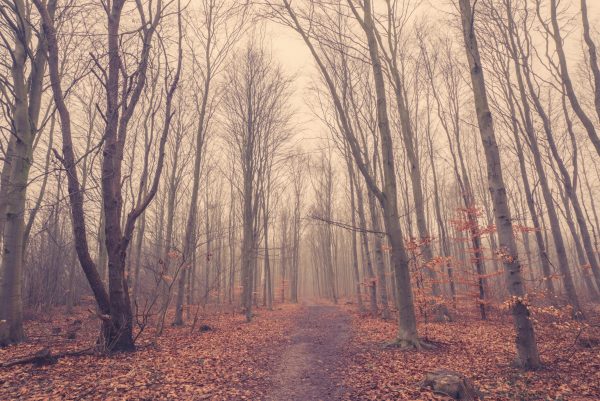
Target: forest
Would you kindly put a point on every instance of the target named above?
(299, 200)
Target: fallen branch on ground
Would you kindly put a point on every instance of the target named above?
(46, 357)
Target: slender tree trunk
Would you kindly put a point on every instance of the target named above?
(295, 247)
(355, 272)
(27, 92)
(525, 339)
(190, 228)
(11, 304)
(593, 56)
(139, 240)
(559, 245)
(407, 321)
(446, 254)
(268, 295)
(378, 247)
(566, 78)
(4, 182)
(371, 281)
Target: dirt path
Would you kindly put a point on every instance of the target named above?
(307, 367)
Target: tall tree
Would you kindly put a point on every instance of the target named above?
(122, 97)
(25, 109)
(527, 351)
(257, 126)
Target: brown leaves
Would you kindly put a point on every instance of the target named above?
(483, 352)
(238, 360)
(232, 361)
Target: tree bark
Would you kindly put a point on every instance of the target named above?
(525, 340)
(566, 78)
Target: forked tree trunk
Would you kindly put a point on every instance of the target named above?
(15, 175)
(407, 326)
(116, 311)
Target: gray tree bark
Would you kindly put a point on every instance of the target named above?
(525, 340)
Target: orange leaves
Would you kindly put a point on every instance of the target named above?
(473, 211)
(440, 261)
(174, 254)
(482, 351)
(503, 255)
(416, 243)
(232, 361)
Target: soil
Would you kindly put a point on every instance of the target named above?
(308, 365)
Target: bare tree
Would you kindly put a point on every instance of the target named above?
(122, 97)
(25, 107)
(525, 339)
(555, 32)
(255, 103)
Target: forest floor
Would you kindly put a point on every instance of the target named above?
(311, 351)
(313, 356)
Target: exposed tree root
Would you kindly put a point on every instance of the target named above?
(411, 344)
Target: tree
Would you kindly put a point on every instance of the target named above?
(213, 17)
(122, 97)
(585, 120)
(527, 352)
(387, 194)
(25, 110)
(256, 127)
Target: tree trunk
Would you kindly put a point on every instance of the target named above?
(407, 321)
(525, 339)
(355, 272)
(566, 78)
(378, 245)
(371, 281)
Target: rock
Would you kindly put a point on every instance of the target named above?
(440, 313)
(44, 357)
(452, 384)
(72, 329)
